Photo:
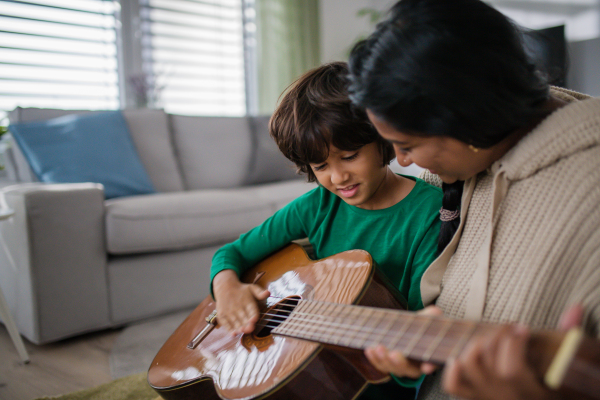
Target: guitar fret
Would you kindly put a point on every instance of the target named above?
(364, 336)
(462, 341)
(331, 310)
(416, 337)
(436, 341)
(385, 330)
(374, 328)
(314, 309)
(292, 323)
(407, 323)
(354, 313)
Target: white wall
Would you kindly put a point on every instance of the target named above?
(580, 17)
(341, 27)
(582, 29)
(584, 69)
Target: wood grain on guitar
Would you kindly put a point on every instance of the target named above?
(320, 316)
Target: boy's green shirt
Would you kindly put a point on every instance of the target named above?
(402, 239)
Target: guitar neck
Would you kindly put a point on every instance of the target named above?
(419, 337)
(568, 362)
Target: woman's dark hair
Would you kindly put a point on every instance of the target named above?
(316, 112)
(447, 68)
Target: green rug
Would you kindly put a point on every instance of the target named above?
(133, 387)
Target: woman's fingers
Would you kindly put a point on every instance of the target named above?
(495, 367)
(395, 363)
(571, 318)
(512, 353)
(432, 311)
(453, 380)
(392, 362)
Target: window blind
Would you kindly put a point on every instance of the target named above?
(193, 52)
(58, 54)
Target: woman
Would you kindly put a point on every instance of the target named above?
(449, 85)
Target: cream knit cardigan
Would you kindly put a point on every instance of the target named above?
(529, 241)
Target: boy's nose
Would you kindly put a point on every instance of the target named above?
(338, 176)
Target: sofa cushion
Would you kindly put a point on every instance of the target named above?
(172, 221)
(151, 134)
(214, 152)
(149, 130)
(267, 163)
(17, 166)
(91, 147)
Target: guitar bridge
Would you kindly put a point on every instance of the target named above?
(211, 322)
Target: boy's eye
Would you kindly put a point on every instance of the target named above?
(319, 167)
(352, 157)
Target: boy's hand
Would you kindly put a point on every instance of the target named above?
(393, 362)
(237, 308)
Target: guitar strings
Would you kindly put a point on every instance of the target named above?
(402, 340)
(281, 312)
(326, 326)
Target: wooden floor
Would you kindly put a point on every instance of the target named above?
(56, 368)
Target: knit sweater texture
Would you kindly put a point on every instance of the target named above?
(528, 246)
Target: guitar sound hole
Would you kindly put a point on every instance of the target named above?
(276, 315)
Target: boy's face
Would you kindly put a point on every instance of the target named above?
(355, 176)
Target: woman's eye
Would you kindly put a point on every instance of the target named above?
(352, 157)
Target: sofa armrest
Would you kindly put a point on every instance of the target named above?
(56, 285)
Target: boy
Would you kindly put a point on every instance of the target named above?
(359, 204)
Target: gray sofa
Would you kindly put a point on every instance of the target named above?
(83, 263)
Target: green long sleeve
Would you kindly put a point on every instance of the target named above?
(402, 239)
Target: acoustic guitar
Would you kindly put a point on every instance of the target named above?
(320, 317)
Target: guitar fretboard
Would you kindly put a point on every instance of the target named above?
(420, 337)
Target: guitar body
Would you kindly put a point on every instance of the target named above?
(269, 366)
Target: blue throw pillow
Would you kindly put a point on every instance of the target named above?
(91, 147)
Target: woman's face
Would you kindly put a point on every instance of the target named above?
(446, 157)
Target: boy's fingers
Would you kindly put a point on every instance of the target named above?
(258, 292)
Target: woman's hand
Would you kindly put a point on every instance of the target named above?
(393, 362)
(237, 302)
(495, 367)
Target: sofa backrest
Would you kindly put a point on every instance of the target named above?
(213, 152)
(225, 152)
(149, 131)
(185, 152)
